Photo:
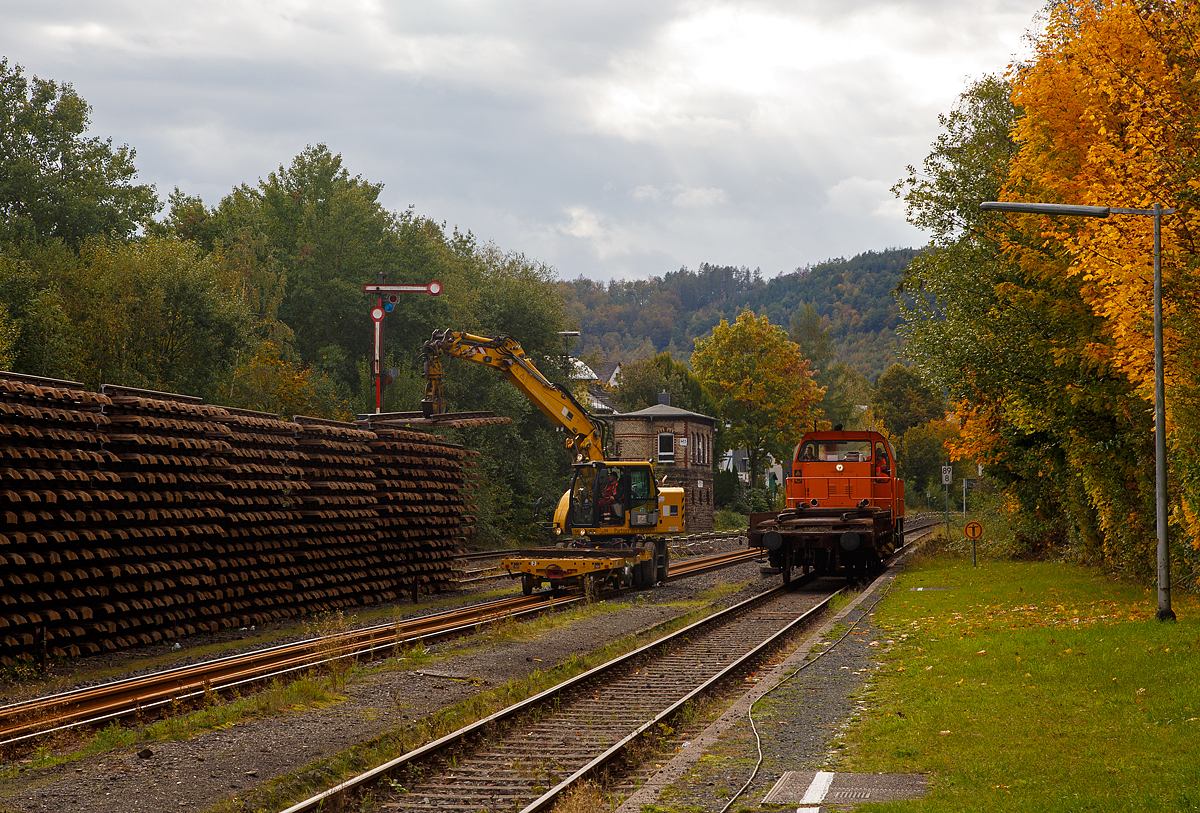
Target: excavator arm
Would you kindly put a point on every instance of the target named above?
(506, 355)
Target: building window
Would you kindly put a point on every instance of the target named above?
(666, 447)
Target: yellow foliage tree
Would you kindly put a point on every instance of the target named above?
(1110, 119)
(762, 384)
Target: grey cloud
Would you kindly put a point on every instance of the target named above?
(511, 149)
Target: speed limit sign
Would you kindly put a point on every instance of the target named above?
(947, 475)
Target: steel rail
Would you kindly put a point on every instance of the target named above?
(707, 564)
(547, 800)
(24, 721)
(549, 695)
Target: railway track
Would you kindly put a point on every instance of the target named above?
(490, 570)
(26, 721)
(525, 757)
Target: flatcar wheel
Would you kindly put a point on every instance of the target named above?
(663, 563)
(527, 584)
(787, 566)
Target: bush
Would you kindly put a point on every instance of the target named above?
(726, 488)
(726, 520)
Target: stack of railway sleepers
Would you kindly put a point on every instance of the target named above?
(264, 528)
(165, 581)
(57, 496)
(340, 558)
(421, 484)
(132, 517)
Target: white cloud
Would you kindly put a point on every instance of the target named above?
(858, 196)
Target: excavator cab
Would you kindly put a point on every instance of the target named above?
(609, 496)
(618, 499)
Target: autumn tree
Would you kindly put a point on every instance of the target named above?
(762, 384)
(1124, 136)
(1000, 337)
(1040, 327)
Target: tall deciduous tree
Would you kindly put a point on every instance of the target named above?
(55, 182)
(1125, 135)
(903, 400)
(155, 313)
(762, 384)
(814, 340)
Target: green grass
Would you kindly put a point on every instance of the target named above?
(1033, 686)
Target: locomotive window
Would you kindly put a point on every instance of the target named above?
(808, 452)
(845, 450)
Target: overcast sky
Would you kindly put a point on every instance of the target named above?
(623, 138)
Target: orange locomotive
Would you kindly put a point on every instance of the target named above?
(845, 506)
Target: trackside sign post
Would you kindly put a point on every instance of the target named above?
(386, 297)
(947, 480)
(974, 531)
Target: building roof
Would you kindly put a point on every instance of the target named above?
(600, 401)
(663, 411)
(609, 373)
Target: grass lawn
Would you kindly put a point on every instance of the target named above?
(1033, 686)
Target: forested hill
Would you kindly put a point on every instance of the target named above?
(627, 320)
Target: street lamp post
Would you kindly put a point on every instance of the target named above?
(1165, 613)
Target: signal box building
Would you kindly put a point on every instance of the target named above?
(680, 444)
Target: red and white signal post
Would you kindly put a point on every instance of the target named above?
(387, 297)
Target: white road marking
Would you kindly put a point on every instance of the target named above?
(817, 790)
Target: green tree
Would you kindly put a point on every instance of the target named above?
(814, 340)
(922, 453)
(30, 293)
(9, 333)
(55, 183)
(847, 398)
(642, 381)
(903, 400)
(155, 313)
(762, 385)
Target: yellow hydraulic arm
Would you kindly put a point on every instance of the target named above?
(506, 355)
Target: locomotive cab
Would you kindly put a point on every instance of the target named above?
(841, 469)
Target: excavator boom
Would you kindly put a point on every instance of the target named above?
(506, 355)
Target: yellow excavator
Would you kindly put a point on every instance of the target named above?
(613, 522)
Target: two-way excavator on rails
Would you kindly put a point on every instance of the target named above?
(613, 522)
